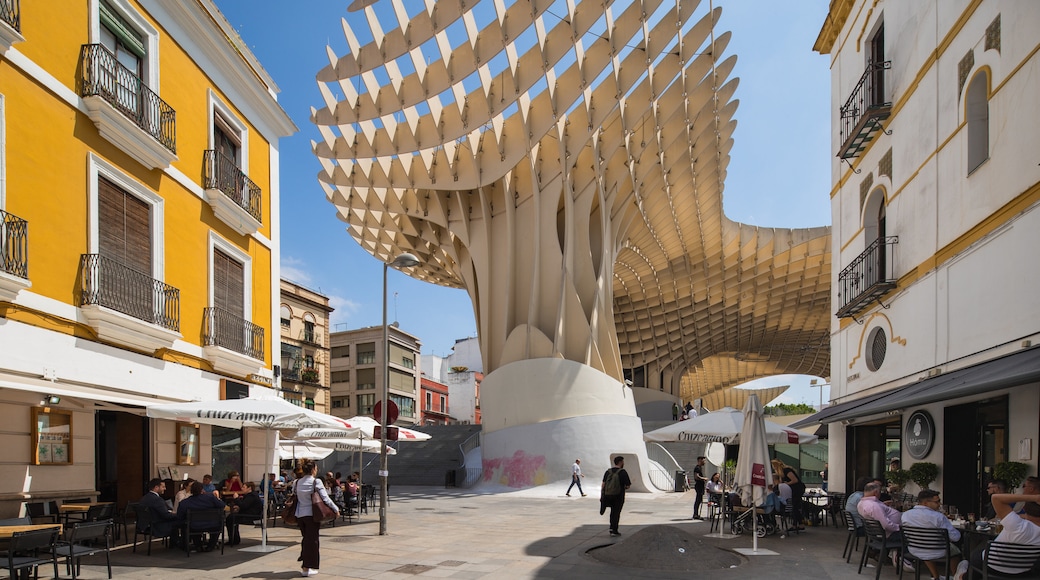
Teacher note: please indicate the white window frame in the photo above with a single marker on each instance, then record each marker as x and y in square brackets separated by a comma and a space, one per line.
[218, 107]
[98, 167]
[3, 155]
[235, 253]
[149, 32]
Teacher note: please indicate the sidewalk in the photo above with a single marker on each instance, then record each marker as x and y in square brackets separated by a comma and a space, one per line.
[450, 533]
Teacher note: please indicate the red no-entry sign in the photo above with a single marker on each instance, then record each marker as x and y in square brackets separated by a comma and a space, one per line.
[392, 412]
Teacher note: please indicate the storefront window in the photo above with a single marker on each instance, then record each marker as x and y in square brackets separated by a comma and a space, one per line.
[227, 452]
[52, 436]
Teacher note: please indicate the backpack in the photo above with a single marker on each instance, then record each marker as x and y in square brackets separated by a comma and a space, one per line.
[613, 483]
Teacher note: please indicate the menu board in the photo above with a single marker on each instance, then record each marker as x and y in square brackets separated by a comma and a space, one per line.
[52, 437]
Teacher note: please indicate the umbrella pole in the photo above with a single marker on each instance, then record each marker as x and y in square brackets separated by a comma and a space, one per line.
[263, 547]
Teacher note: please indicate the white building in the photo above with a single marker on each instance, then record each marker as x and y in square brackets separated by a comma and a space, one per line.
[462, 371]
[936, 214]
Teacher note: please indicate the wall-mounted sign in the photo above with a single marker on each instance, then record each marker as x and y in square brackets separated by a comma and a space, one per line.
[919, 434]
[233, 390]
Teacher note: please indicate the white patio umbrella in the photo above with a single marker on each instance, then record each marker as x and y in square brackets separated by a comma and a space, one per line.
[301, 450]
[750, 479]
[724, 426]
[368, 425]
[268, 413]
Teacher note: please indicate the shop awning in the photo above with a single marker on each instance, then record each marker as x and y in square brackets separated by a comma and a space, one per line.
[1019, 368]
[85, 393]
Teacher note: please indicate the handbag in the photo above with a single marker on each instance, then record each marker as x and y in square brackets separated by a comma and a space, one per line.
[289, 510]
[320, 511]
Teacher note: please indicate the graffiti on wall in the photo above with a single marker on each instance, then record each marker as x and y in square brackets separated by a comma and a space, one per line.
[520, 470]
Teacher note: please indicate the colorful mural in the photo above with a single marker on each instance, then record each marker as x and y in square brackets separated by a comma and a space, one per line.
[520, 470]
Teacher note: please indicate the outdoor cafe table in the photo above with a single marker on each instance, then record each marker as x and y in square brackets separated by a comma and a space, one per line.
[7, 531]
[68, 509]
[972, 538]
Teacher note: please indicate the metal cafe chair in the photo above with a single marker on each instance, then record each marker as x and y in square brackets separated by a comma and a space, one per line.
[930, 539]
[852, 540]
[86, 539]
[1006, 555]
[200, 522]
[877, 539]
[31, 550]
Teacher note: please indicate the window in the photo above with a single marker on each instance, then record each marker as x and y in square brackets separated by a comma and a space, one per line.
[340, 402]
[365, 404]
[308, 404]
[977, 114]
[877, 346]
[341, 351]
[405, 404]
[231, 269]
[402, 356]
[402, 381]
[429, 400]
[366, 353]
[340, 376]
[51, 436]
[366, 379]
[308, 328]
[876, 54]
[128, 46]
[285, 316]
[228, 135]
[292, 361]
[443, 410]
[124, 228]
[308, 361]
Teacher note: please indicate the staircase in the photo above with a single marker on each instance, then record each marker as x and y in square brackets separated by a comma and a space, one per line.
[416, 462]
[684, 453]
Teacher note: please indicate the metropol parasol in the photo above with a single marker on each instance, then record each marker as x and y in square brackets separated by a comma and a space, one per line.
[564, 163]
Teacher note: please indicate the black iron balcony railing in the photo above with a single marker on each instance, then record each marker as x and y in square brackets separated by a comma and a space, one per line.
[11, 13]
[224, 329]
[105, 77]
[864, 110]
[868, 277]
[110, 283]
[14, 245]
[221, 172]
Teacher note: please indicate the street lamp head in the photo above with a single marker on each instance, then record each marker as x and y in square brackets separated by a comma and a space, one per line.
[405, 260]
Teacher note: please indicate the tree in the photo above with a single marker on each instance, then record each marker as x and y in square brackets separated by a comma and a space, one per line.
[781, 409]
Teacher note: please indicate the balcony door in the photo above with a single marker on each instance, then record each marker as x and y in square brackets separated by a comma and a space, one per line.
[128, 47]
[124, 275]
[877, 56]
[229, 300]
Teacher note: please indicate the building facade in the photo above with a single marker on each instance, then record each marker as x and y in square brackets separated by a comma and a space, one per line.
[936, 213]
[139, 241]
[358, 365]
[433, 403]
[304, 368]
[462, 372]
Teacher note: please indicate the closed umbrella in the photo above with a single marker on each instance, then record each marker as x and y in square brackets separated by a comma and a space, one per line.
[267, 413]
[750, 478]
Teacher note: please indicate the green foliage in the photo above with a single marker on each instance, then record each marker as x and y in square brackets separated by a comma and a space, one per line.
[898, 477]
[924, 473]
[1013, 472]
[781, 409]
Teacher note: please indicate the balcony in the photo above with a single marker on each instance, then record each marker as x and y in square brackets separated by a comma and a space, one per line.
[867, 278]
[127, 112]
[10, 24]
[126, 306]
[864, 110]
[234, 197]
[14, 255]
[231, 344]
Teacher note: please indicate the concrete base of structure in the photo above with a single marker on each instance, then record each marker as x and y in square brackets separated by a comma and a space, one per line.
[539, 415]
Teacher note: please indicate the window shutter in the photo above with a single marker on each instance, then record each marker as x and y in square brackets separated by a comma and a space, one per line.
[124, 227]
[115, 23]
[228, 284]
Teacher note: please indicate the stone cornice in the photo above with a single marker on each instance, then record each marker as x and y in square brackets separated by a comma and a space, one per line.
[836, 17]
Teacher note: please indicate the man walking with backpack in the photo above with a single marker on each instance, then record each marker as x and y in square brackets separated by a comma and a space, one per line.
[612, 492]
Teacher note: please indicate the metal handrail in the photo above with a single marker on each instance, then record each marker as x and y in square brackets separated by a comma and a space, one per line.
[864, 98]
[663, 478]
[471, 475]
[105, 77]
[114, 285]
[221, 172]
[11, 13]
[224, 329]
[868, 269]
[14, 245]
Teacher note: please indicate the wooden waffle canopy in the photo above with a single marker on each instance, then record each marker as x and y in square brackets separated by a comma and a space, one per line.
[564, 163]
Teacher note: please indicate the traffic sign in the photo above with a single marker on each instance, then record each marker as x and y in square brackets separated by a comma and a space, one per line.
[392, 412]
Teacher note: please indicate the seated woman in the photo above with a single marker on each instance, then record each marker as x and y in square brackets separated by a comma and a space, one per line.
[352, 491]
[232, 484]
[334, 489]
[183, 492]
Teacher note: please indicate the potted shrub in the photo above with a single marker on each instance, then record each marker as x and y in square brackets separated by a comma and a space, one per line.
[1013, 472]
[309, 375]
[898, 477]
[924, 473]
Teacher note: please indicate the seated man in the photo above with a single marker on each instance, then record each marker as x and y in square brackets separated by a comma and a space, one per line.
[1024, 529]
[164, 522]
[207, 484]
[247, 508]
[926, 514]
[872, 507]
[200, 500]
[995, 486]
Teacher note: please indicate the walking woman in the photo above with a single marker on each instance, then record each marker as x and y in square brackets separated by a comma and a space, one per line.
[307, 484]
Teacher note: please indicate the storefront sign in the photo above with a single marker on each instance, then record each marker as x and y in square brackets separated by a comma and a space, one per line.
[919, 434]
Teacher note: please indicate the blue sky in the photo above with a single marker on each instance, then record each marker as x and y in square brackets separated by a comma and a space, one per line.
[779, 173]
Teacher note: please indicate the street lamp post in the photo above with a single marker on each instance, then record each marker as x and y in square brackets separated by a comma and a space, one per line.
[812, 383]
[401, 261]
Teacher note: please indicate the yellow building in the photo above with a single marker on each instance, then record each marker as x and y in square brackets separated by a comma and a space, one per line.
[139, 244]
[303, 372]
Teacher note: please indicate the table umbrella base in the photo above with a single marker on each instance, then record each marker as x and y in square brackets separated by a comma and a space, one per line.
[721, 536]
[262, 548]
[753, 552]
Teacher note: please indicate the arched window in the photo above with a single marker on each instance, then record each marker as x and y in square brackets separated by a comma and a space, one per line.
[978, 121]
[286, 315]
[308, 327]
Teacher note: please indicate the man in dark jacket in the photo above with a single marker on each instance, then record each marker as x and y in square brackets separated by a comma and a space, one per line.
[201, 501]
[612, 492]
[246, 509]
[164, 522]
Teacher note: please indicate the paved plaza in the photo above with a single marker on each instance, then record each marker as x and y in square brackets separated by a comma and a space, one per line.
[452, 533]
